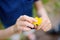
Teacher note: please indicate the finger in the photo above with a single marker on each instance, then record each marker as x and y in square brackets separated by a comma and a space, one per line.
[44, 23]
[44, 27]
[25, 23]
[31, 18]
[41, 25]
[47, 26]
[24, 28]
[27, 18]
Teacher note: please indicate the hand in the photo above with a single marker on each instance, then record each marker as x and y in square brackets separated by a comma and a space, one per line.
[24, 23]
[46, 24]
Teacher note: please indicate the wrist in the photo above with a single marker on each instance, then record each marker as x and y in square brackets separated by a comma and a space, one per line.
[13, 29]
[16, 29]
[9, 31]
[42, 12]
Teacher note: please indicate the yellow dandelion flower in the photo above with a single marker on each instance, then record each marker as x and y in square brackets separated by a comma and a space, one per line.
[39, 21]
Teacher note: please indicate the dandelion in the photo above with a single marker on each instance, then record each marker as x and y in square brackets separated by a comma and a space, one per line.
[39, 21]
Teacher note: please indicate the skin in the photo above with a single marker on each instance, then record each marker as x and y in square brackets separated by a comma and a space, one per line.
[21, 25]
[46, 23]
[24, 21]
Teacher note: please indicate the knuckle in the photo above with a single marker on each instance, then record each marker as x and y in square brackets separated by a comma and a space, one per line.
[25, 16]
[21, 16]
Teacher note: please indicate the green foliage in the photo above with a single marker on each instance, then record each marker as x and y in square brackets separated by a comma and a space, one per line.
[45, 1]
[57, 4]
[34, 12]
[1, 25]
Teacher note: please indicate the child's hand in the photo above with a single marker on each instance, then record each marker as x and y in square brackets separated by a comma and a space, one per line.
[46, 24]
[25, 23]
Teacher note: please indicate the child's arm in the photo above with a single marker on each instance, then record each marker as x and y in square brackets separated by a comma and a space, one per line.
[23, 23]
[46, 24]
[6, 33]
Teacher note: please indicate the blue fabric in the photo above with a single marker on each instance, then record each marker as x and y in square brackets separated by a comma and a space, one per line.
[10, 10]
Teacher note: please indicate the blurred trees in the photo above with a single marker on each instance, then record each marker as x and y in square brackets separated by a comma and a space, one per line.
[52, 6]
